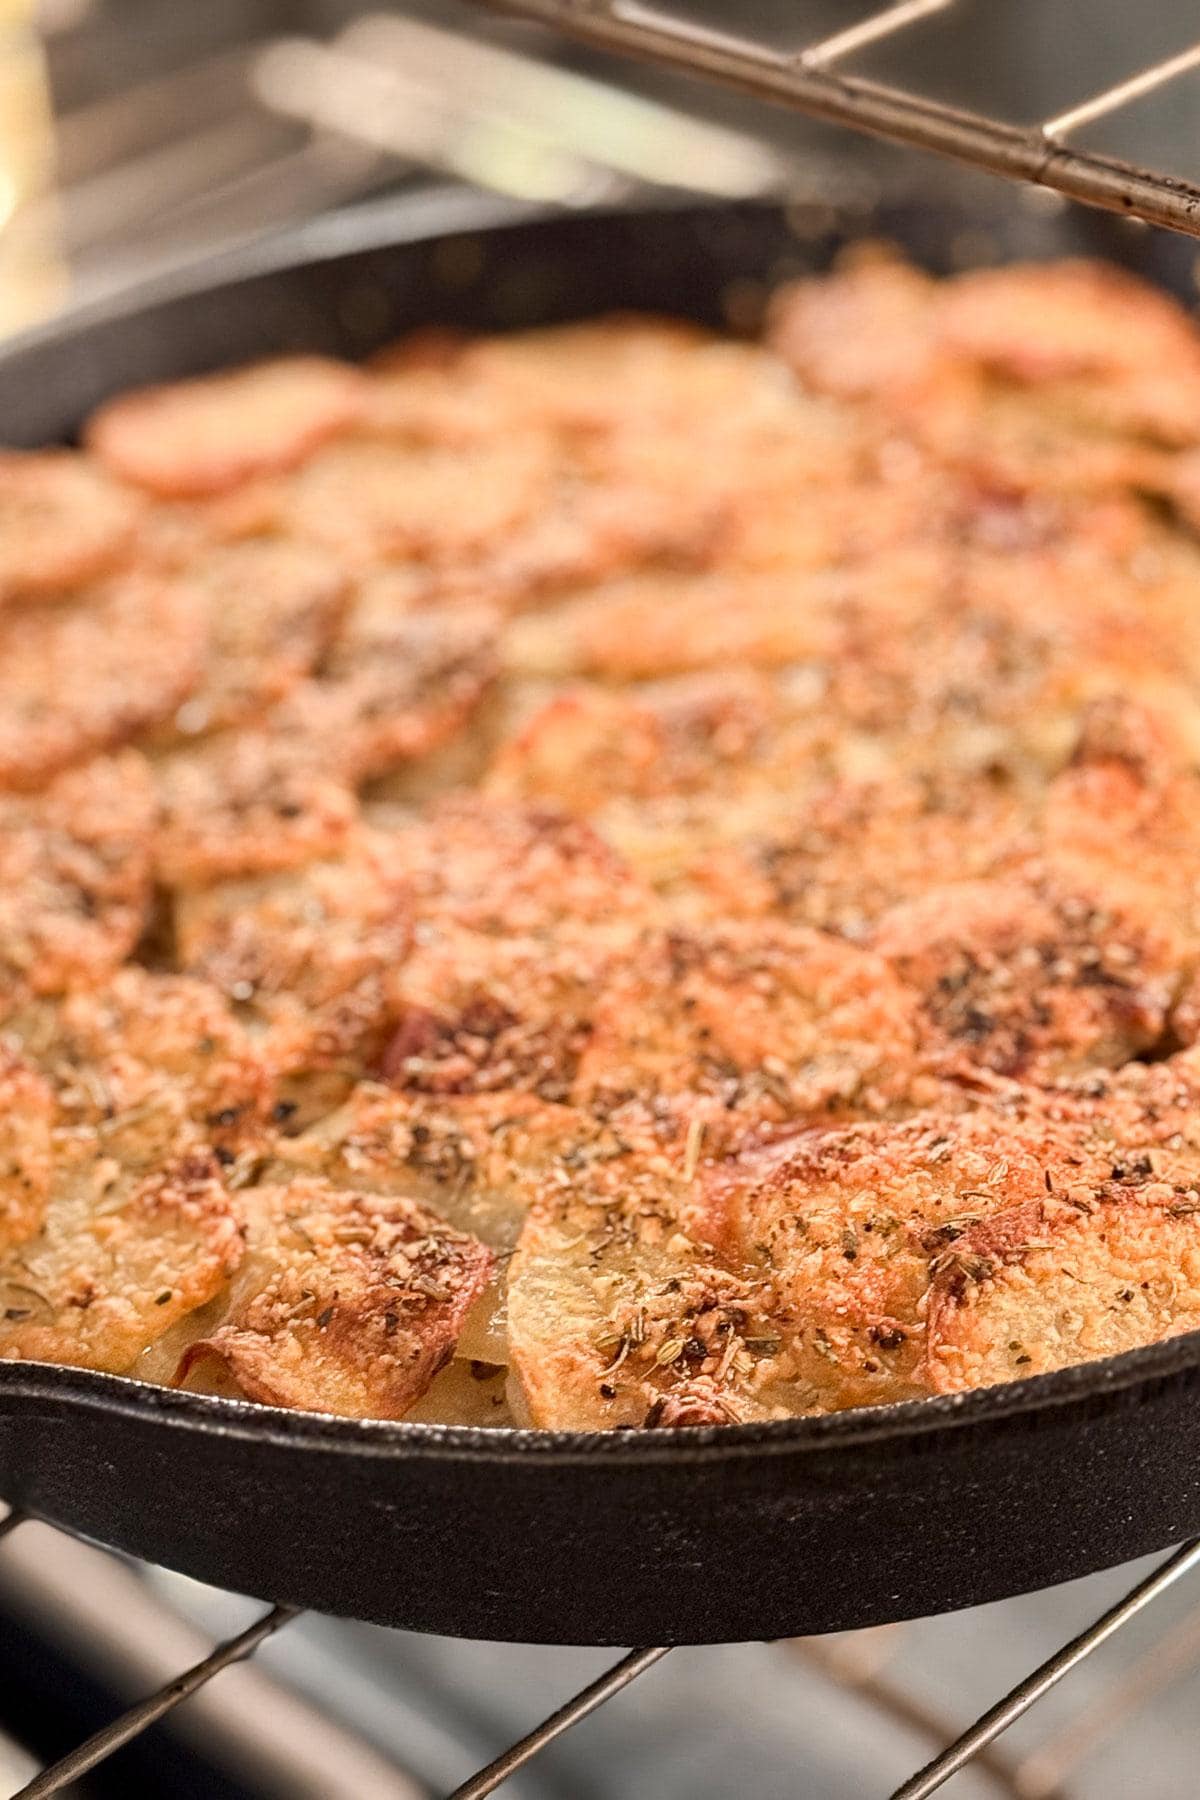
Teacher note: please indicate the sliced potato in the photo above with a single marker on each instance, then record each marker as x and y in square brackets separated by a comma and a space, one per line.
[91, 674]
[468, 1158]
[847, 1232]
[115, 1267]
[773, 1024]
[868, 330]
[1045, 1285]
[308, 958]
[74, 875]
[192, 438]
[394, 686]
[665, 623]
[516, 871]
[1034, 982]
[63, 522]
[27, 1119]
[373, 500]
[248, 804]
[273, 609]
[618, 1312]
[1119, 350]
[143, 1064]
[345, 1302]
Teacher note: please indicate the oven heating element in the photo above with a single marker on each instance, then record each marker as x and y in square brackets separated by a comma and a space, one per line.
[809, 78]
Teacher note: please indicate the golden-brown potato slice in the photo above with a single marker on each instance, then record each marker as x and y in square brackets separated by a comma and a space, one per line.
[247, 804]
[394, 686]
[1032, 981]
[667, 623]
[515, 871]
[113, 1268]
[378, 500]
[589, 377]
[192, 438]
[1125, 353]
[724, 734]
[345, 1302]
[74, 876]
[1048, 1284]
[848, 1232]
[307, 957]
[517, 915]
[273, 608]
[469, 1159]
[472, 1160]
[479, 1014]
[143, 1064]
[62, 523]
[1130, 802]
[774, 1024]
[861, 845]
[618, 1312]
[90, 675]
[590, 527]
[27, 1118]
[866, 330]
[421, 393]
[1031, 377]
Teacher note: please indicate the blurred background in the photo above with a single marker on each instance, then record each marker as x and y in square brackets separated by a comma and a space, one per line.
[137, 136]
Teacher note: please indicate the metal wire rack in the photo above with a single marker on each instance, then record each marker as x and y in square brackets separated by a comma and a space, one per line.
[857, 1663]
[811, 78]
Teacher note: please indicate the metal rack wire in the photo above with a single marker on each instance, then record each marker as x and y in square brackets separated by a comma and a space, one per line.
[1036, 1778]
[810, 78]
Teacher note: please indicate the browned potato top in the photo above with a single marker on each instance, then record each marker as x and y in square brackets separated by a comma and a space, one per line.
[609, 875]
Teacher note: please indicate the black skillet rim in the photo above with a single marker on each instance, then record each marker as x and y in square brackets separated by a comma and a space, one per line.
[445, 212]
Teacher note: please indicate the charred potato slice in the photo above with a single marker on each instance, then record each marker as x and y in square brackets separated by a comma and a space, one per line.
[344, 1302]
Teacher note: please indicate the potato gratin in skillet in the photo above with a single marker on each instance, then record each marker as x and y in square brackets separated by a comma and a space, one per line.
[610, 876]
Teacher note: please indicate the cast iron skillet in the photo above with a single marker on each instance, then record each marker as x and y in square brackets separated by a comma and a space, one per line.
[627, 1538]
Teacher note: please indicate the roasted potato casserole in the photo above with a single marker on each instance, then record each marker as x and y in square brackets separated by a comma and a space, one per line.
[611, 875]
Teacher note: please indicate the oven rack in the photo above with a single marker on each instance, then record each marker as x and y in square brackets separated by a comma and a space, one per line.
[810, 78]
[1038, 1777]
